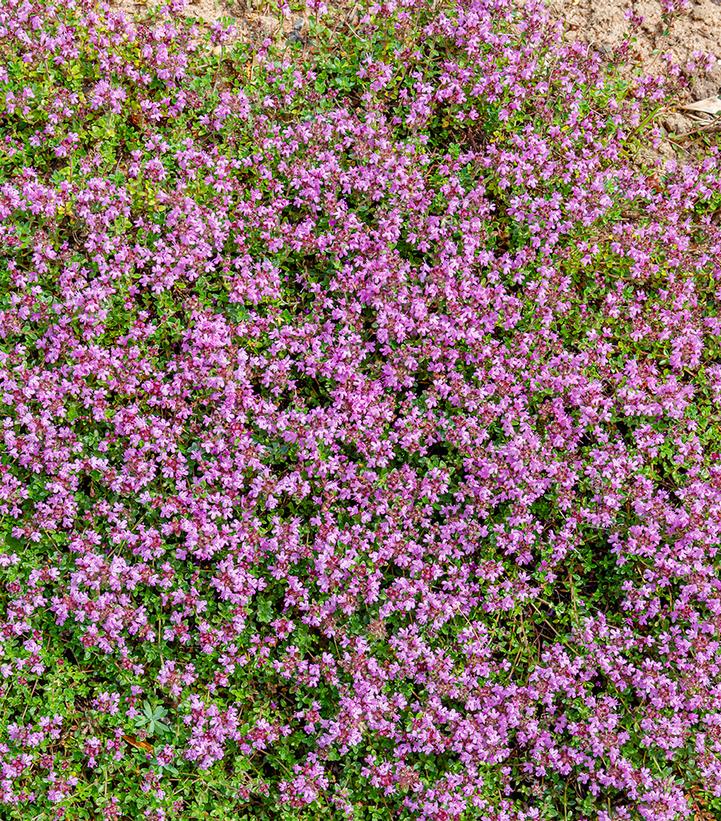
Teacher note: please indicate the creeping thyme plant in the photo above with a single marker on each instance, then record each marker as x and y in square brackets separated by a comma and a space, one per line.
[360, 423]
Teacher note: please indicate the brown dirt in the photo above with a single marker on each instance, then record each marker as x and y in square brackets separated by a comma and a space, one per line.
[690, 39]
[605, 25]
[252, 18]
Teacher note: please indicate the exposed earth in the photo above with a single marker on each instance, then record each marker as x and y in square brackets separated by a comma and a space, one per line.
[658, 43]
[654, 38]
[252, 18]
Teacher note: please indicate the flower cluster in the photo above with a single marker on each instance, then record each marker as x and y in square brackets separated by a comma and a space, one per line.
[359, 424]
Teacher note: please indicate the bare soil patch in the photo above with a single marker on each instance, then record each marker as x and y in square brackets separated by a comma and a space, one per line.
[649, 40]
[654, 37]
[252, 18]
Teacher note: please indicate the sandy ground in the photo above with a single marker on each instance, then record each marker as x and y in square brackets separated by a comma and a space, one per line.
[605, 25]
[690, 39]
[252, 18]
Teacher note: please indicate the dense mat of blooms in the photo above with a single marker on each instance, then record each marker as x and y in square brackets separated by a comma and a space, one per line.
[360, 425]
